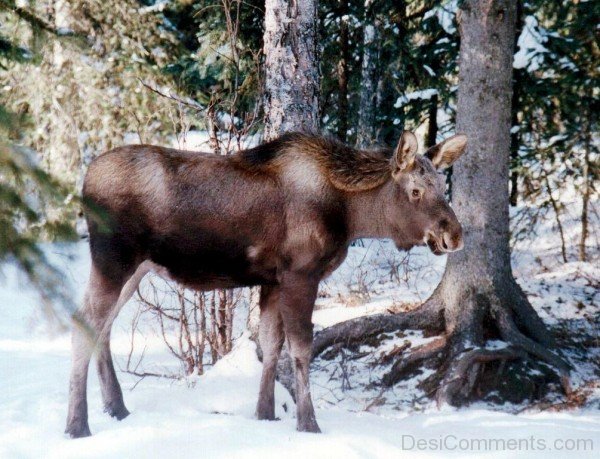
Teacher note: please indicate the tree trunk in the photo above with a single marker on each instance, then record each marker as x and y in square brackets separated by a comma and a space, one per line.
[478, 291]
[291, 93]
[482, 270]
[342, 71]
[432, 127]
[368, 88]
[291, 67]
[586, 193]
[556, 208]
[478, 298]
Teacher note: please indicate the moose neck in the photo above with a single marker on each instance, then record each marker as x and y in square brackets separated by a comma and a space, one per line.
[366, 213]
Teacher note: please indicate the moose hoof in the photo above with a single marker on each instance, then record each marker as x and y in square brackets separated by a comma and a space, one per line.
[309, 425]
[266, 415]
[78, 430]
[118, 412]
[267, 418]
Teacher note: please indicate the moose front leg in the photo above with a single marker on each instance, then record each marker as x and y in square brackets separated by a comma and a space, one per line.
[297, 299]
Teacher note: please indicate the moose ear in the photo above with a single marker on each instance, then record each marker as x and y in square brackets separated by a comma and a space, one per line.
[405, 152]
[445, 153]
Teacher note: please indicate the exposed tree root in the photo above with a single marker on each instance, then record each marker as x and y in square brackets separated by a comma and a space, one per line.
[419, 354]
[467, 351]
[525, 316]
[460, 350]
[427, 317]
[461, 375]
[511, 334]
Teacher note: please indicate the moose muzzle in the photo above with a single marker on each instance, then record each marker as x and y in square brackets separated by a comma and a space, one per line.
[446, 242]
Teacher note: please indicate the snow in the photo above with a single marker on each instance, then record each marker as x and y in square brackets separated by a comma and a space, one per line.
[199, 140]
[445, 14]
[156, 7]
[212, 415]
[422, 94]
[369, 34]
[429, 70]
[530, 49]
[193, 140]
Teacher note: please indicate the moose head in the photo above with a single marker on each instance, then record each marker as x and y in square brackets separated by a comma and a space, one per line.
[418, 211]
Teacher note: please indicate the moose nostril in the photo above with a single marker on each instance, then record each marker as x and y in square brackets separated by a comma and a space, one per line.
[445, 238]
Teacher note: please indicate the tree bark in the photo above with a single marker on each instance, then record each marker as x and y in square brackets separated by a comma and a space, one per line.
[556, 208]
[342, 71]
[369, 79]
[586, 193]
[432, 127]
[291, 67]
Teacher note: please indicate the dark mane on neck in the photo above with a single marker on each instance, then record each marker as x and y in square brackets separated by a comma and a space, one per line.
[348, 169]
[264, 154]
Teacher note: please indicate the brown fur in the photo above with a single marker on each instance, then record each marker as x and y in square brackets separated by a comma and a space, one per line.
[346, 168]
[280, 215]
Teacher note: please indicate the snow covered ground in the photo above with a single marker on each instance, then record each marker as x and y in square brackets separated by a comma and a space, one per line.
[212, 415]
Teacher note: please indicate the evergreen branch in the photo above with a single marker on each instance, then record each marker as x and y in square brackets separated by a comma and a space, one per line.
[12, 51]
[36, 21]
[187, 102]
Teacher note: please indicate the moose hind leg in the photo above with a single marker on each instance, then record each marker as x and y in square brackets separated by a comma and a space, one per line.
[112, 395]
[91, 331]
[77, 422]
[271, 341]
[100, 298]
[296, 305]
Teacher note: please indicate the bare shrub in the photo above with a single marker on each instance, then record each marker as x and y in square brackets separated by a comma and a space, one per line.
[196, 327]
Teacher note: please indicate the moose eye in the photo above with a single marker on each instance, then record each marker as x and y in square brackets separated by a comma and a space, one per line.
[416, 193]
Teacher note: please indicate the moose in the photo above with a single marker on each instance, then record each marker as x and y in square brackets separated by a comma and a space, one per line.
[280, 216]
